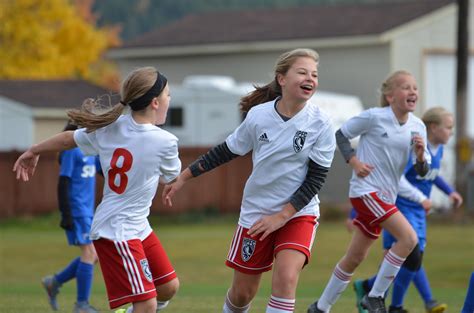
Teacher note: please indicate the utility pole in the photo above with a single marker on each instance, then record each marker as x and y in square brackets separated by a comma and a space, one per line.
[463, 153]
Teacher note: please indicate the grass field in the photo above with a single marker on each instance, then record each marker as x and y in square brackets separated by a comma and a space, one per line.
[30, 249]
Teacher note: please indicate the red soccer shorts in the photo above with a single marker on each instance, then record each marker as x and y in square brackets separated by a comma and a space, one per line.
[252, 256]
[131, 269]
[371, 211]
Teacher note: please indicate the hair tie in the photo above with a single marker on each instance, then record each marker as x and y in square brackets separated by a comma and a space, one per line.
[123, 102]
[155, 90]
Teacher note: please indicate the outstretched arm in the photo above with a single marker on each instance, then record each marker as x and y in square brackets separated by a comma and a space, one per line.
[25, 165]
[215, 157]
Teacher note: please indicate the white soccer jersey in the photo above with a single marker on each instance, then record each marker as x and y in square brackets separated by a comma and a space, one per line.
[280, 155]
[386, 145]
[134, 157]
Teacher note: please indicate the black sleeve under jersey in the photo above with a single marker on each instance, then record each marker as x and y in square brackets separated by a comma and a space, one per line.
[63, 195]
[218, 155]
[421, 168]
[344, 146]
[312, 184]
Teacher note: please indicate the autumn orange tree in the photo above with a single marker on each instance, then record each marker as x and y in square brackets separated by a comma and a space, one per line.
[54, 39]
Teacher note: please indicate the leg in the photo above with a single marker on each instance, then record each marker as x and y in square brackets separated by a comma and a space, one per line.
[355, 254]
[243, 290]
[165, 292]
[287, 268]
[469, 302]
[85, 273]
[52, 283]
[146, 306]
[399, 227]
[404, 277]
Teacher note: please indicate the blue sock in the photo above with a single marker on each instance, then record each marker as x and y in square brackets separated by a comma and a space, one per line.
[84, 276]
[423, 285]
[469, 302]
[400, 286]
[370, 281]
[68, 273]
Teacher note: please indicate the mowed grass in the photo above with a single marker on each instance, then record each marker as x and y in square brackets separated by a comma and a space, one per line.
[31, 249]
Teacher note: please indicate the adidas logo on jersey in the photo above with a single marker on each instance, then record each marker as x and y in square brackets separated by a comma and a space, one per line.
[385, 135]
[263, 137]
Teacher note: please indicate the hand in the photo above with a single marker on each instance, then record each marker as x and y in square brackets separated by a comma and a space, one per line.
[419, 148]
[67, 222]
[269, 223]
[456, 198]
[361, 169]
[25, 165]
[169, 191]
[426, 204]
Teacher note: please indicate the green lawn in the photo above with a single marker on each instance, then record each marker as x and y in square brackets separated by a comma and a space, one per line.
[34, 248]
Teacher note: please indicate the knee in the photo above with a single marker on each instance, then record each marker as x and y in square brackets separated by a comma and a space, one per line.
[167, 291]
[414, 259]
[242, 296]
[147, 306]
[409, 240]
[89, 255]
[284, 282]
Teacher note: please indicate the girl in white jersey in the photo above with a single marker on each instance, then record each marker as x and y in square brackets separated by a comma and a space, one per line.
[389, 137]
[135, 155]
[292, 145]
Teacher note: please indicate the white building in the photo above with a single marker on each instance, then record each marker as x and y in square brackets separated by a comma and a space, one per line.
[16, 125]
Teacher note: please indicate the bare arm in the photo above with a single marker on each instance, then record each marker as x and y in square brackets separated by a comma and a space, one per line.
[25, 165]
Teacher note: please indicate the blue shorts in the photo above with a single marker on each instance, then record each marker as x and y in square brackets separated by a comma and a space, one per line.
[80, 235]
[417, 219]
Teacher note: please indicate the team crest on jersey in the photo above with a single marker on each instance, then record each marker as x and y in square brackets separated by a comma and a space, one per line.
[383, 196]
[412, 139]
[298, 140]
[146, 270]
[248, 247]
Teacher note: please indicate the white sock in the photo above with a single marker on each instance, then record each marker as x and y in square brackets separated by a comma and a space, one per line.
[387, 272]
[160, 305]
[229, 307]
[130, 309]
[280, 305]
[336, 285]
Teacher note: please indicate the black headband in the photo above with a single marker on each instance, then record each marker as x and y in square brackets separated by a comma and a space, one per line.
[143, 101]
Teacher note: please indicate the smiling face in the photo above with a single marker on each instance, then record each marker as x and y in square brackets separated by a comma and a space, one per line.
[403, 94]
[299, 83]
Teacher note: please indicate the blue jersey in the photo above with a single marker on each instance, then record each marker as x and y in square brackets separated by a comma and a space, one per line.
[81, 170]
[413, 211]
[424, 184]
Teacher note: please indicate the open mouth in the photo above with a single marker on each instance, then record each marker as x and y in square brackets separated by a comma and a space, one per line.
[307, 87]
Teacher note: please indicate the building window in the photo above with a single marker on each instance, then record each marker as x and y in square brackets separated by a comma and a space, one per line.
[174, 117]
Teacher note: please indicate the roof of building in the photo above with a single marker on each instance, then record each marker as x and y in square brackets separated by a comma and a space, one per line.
[52, 93]
[310, 22]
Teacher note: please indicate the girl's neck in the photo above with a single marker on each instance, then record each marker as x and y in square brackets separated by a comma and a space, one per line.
[289, 108]
[402, 117]
[141, 117]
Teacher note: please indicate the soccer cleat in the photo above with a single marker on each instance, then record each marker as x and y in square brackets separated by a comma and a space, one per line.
[435, 307]
[398, 309]
[84, 307]
[313, 308]
[51, 286]
[360, 293]
[373, 304]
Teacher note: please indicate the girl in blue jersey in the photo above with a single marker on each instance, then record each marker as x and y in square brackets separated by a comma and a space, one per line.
[439, 124]
[76, 197]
